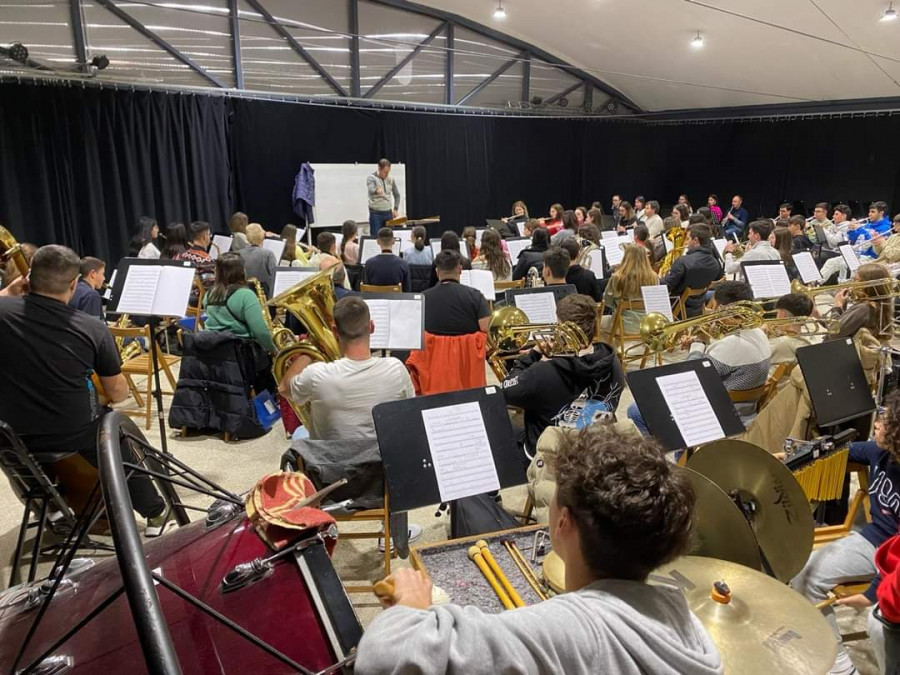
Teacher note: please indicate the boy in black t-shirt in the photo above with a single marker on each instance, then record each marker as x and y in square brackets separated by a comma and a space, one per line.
[386, 269]
[450, 307]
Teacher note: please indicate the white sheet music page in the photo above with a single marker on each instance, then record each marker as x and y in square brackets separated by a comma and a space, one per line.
[516, 246]
[850, 257]
[221, 244]
[173, 291]
[521, 228]
[768, 281]
[656, 299]
[398, 323]
[483, 280]
[370, 247]
[807, 268]
[139, 290]
[380, 314]
[693, 414]
[614, 252]
[460, 451]
[539, 307]
[405, 237]
[609, 234]
[720, 247]
[478, 234]
[286, 279]
[595, 263]
[668, 244]
[276, 246]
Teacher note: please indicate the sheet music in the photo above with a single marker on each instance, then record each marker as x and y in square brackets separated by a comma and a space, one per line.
[609, 234]
[656, 299]
[276, 246]
[807, 268]
[463, 248]
[850, 257]
[668, 243]
[173, 291]
[338, 238]
[693, 414]
[516, 246]
[288, 278]
[369, 248]
[595, 263]
[768, 281]
[614, 252]
[398, 323]
[720, 247]
[220, 244]
[483, 280]
[539, 307]
[404, 236]
[460, 451]
[521, 228]
[478, 234]
[139, 290]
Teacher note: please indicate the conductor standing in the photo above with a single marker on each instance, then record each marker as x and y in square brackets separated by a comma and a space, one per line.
[382, 189]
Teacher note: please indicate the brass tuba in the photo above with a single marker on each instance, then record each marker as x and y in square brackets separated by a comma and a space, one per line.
[11, 250]
[660, 334]
[510, 332]
[312, 303]
[676, 235]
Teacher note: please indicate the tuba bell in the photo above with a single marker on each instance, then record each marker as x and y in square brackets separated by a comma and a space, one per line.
[10, 249]
[677, 237]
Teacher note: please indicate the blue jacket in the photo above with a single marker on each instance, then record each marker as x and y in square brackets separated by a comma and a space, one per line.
[741, 219]
[304, 194]
[87, 300]
[864, 233]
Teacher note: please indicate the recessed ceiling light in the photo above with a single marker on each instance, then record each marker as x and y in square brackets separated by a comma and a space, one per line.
[499, 13]
[889, 14]
[697, 42]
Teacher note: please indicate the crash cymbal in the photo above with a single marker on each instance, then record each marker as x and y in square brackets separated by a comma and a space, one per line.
[758, 624]
[772, 500]
[553, 570]
[720, 530]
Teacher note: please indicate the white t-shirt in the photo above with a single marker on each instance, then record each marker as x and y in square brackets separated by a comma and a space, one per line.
[149, 251]
[342, 394]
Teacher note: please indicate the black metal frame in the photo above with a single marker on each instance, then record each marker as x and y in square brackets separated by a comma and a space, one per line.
[481, 86]
[392, 73]
[235, 21]
[78, 34]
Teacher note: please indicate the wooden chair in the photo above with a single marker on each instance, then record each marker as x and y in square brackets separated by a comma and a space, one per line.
[370, 288]
[197, 312]
[679, 309]
[382, 516]
[502, 286]
[143, 365]
[782, 370]
[618, 337]
[748, 395]
[829, 533]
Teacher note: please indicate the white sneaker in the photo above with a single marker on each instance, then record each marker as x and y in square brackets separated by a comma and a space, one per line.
[414, 532]
[843, 665]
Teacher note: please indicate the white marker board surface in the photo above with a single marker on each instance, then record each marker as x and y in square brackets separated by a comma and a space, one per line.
[341, 192]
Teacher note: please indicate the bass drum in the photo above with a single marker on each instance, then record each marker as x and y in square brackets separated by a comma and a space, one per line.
[298, 608]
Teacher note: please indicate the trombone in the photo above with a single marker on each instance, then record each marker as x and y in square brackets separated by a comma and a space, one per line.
[886, 289]
[661, 335]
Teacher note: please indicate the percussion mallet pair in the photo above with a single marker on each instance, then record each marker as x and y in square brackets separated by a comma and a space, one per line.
[481, 555]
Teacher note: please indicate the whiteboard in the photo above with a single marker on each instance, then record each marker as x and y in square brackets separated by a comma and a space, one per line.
[341, 191]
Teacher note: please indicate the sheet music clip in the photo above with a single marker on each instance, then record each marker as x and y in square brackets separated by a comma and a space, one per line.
[836, 382]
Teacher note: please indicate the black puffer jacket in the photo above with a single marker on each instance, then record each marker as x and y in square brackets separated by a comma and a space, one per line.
[217, 373]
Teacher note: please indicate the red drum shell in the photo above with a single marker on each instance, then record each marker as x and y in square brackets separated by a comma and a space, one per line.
[278, 610]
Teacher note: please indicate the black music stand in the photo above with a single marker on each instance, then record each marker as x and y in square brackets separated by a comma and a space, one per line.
[655, 411]
[836, 382]
[410, 342]
[406, 455]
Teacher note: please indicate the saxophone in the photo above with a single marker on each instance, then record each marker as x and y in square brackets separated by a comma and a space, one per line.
[133, 348]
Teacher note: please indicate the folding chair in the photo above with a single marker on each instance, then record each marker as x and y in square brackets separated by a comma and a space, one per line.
[679, 309]
[618, 337]
[829, 533]
[502, 286]
[143, 365]
[748, 395]
[197, 311]
[369, 288]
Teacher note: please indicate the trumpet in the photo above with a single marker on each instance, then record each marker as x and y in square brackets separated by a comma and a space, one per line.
[510, 331]
[660, 335]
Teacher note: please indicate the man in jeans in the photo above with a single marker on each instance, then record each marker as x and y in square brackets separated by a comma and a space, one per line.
[381, 188]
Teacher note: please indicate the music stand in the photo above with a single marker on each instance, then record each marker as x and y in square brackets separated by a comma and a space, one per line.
[656, 412]
[409, 467]
[835, 381]
[559, 292]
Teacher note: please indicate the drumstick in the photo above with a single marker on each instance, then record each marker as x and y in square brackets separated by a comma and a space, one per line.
[495, 568]
[475, 555]
[524, 568]
[830, 600]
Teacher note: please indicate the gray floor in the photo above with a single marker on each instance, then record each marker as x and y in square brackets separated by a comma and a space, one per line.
[237, 466]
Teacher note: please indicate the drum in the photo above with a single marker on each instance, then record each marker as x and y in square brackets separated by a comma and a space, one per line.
[299, 608]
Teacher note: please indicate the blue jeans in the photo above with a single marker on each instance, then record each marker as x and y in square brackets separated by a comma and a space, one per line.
[731, 229]
[635, 416]
[377, 220]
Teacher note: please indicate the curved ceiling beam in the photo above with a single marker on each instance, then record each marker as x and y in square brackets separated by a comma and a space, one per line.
[511, 41]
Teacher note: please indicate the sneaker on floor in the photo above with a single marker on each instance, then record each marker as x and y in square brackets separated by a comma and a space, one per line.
[414, 532]
[157, 524]
[843, 665]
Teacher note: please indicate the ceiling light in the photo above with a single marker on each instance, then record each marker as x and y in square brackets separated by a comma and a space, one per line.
[499, 13]
[889, 14]
[697, 42]
[18, 52]
[100, 62]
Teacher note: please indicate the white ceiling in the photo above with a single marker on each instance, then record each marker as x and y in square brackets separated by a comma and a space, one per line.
[642, 47]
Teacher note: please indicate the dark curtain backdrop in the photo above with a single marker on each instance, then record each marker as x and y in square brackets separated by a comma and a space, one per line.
[80, 166]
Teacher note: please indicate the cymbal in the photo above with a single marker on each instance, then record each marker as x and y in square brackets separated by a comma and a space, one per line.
[776, 507]
[720, 530]
[761, 626]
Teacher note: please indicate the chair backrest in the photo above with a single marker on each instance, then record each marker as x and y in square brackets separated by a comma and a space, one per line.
[679, 311]
[370, 288]
[419, 278]
[131, 332]
[747, 395]
[504, 285]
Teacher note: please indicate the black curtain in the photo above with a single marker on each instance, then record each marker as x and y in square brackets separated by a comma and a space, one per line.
[80, 166]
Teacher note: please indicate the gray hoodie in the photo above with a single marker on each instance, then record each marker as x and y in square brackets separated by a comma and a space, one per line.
[611, 626]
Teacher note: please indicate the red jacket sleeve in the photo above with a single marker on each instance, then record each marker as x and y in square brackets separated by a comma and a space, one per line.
[887, 559]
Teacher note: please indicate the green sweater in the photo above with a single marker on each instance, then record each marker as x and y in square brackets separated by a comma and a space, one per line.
[242, 316]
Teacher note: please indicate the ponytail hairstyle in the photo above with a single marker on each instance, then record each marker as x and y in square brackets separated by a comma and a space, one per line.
[289, 234]
[418, 237]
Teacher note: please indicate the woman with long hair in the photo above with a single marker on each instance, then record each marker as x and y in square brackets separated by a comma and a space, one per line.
[569, 228]
[237, 225]
[875, 308]
[625, 284]
[581, 213]
[713, 203]
[293, 254]
[350, 242]
[684, 201]
[230, 305]
[554, 223]
[176, 242]
[683, 213]
[626, 217]
[143, 243]
[781, 241]
[420, 252]
[468, 234]
[492, 257]
[534, 254]
[519, 211]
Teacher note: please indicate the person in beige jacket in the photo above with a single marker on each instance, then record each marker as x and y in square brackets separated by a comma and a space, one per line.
[888, 250]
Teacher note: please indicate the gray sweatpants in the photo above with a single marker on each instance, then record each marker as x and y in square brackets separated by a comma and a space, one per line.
[849, 559]
[885, 643]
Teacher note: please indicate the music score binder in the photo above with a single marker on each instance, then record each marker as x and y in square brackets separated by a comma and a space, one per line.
[369, 247]
[767, 278]
[656, 412]
[399, 320]
[145, 287]
[409, 465]
[288, 277]
[836, 381]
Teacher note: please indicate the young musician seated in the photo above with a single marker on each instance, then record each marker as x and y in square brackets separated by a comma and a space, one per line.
[231, 306]
[493, 257]
[625, 284]
[820, 218]
[735, 221]
[888, 247]
[555, 222]
[610, 620]
[759, 247]
[450, 307]
[556, 265]
[342, 393]
[584, 280]
[697, 268]
[327, 256]
[198, 255]
[259, 262]
[741, 358]
[450, 242]
[86, 296]
[853, 557]
[834, 233]
[784, 347]
[544, 386]
[878, 223]
[418, 252]
[50, 352]
[387, 269]
[533, 256]
[799, 241]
